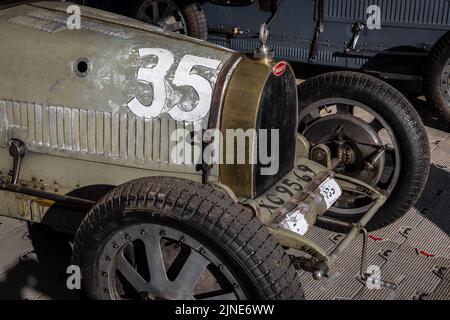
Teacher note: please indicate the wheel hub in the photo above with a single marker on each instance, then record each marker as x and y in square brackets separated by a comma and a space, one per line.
[354, 147]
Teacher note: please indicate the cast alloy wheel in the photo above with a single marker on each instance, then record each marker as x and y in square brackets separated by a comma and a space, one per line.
[437, 77]
[377, 135]
[156, 262]
[368, 146]
[163, 13]
[445, 82]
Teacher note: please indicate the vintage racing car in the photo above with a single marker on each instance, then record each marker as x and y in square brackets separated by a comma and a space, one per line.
[120, 121]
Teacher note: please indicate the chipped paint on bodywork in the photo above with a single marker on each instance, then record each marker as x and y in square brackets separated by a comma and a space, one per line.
[82, 119]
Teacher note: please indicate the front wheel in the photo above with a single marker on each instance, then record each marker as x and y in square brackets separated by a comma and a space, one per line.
[378, 135]
[172, 239]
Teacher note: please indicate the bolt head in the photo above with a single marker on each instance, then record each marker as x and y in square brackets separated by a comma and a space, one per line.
[318, 275]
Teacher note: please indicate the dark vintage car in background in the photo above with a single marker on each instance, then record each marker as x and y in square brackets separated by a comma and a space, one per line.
[393, 39]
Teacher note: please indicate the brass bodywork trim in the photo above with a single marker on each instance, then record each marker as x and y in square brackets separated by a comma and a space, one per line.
[220, 90]
[240, 110]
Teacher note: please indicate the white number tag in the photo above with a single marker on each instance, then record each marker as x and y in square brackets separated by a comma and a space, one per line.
[331, 191]
[295, 222]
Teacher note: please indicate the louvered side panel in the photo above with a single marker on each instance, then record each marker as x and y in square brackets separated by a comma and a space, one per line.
[120, 138]
[435, 12]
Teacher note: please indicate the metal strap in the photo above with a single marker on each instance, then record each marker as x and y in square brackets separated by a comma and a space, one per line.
[319, 30]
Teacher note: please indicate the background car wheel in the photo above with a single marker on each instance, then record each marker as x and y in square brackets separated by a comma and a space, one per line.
[437, 78]
[185, 18]
[165, 238]
[383, 139]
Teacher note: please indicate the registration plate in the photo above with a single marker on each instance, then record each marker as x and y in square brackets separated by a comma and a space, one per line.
[298, 180]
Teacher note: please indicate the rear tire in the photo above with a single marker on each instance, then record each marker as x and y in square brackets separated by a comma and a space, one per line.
[437, 78]
[196, 21]
[398, 113]
[251, 262]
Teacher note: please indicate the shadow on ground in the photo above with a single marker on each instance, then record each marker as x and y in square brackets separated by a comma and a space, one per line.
[40, 273]
[435, 199]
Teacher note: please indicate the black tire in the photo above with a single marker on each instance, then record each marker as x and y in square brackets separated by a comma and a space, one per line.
[407, 127]
[199, 211]
[196, 21]
[190, 15]
[437, 77]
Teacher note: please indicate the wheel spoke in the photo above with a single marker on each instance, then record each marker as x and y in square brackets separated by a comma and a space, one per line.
[147, 18]
[308, 119]
[155, 10]
[175, 26]
[376, 125]
[344, 108]
[131, 274]
[155, 260]
[167, 11]
[191, 272]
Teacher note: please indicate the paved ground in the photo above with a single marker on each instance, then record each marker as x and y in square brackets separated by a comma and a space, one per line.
[413, 253]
